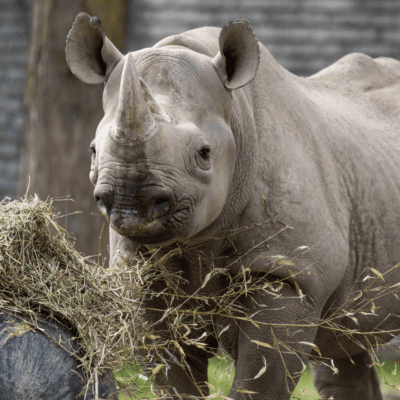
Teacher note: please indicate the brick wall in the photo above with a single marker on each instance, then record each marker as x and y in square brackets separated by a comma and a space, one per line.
[303, 35]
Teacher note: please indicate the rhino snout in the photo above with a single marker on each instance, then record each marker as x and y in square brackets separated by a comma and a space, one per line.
[147, 203]
[104, 196]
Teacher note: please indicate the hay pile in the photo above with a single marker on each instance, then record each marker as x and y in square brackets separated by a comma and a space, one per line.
[43, 276]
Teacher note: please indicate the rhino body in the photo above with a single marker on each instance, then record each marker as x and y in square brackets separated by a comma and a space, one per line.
[205, 133]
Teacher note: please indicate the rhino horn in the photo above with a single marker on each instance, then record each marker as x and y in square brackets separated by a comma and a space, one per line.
[134, 119]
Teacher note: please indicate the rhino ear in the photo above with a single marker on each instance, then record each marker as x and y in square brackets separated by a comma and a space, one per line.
[239, 56]
[90, 54]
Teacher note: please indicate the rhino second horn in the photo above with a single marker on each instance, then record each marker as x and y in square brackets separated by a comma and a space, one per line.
[155, 108]
[134, 119]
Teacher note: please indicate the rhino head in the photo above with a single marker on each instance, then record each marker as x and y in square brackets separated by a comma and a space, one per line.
[164, 154]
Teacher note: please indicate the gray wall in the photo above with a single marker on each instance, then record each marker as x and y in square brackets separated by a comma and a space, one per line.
[303, 35]
[14, 33]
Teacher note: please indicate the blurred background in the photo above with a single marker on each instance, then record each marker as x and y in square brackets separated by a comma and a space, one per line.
[48, 117]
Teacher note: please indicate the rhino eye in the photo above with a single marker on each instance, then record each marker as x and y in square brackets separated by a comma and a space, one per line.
[205, 153]
[93, 149]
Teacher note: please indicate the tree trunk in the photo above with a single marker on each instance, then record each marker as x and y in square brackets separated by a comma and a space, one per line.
[62, 116]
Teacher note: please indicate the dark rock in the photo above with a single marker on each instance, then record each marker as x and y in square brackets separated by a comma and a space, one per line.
[33, 367]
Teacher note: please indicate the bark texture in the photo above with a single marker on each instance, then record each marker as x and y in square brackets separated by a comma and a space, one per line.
[62, 115]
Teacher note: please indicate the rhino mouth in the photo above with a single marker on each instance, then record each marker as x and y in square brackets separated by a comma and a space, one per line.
[153, 215]
[166, 226]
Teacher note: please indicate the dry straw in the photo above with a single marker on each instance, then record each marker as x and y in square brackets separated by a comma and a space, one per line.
[41, 275]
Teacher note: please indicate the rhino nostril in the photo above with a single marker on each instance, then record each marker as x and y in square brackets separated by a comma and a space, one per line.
[161, 201]
[104, 198]
[161, 204]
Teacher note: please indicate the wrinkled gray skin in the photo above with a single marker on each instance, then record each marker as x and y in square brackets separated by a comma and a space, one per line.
[187, 152]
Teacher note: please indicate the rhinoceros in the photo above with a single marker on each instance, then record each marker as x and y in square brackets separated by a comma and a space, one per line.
[205, 133]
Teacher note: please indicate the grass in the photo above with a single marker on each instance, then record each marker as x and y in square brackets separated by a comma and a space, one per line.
[220, 374]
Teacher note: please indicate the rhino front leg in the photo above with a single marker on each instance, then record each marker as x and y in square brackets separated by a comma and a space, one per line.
[186, 375]
[265, 343]
[358, 381]
[183, 380]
